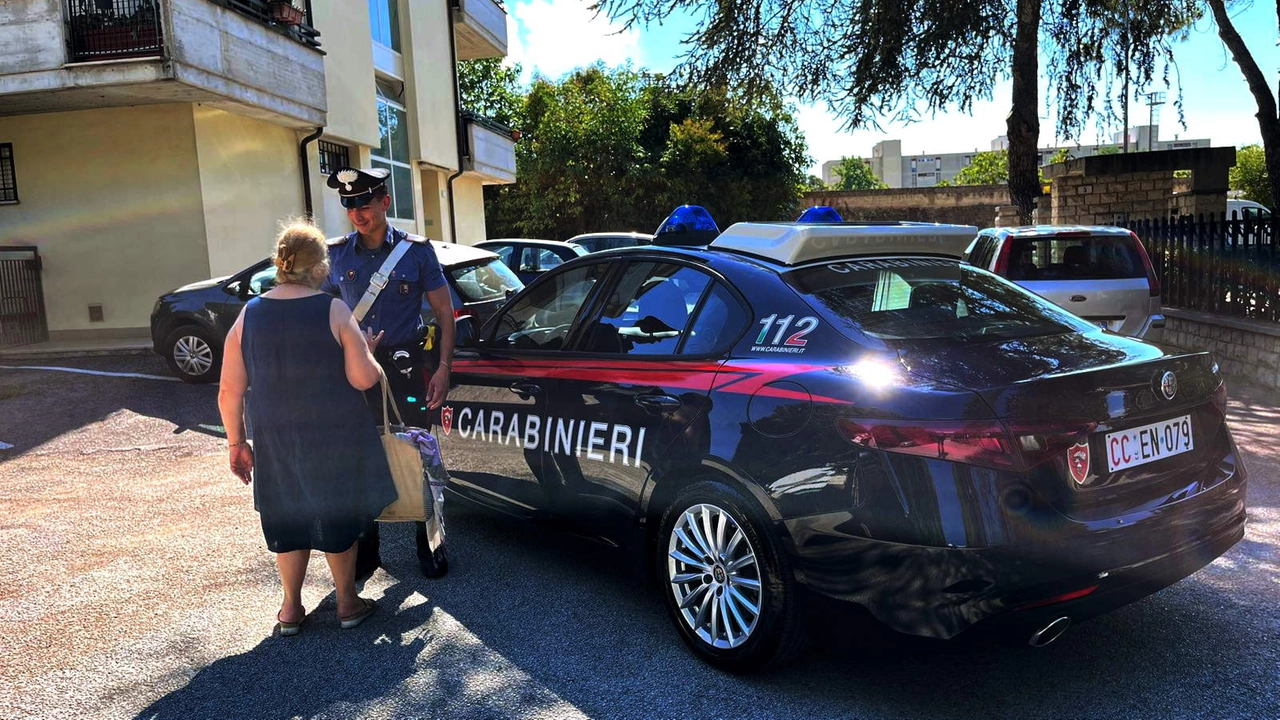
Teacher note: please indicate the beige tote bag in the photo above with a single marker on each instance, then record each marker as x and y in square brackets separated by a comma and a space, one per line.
[406, 467]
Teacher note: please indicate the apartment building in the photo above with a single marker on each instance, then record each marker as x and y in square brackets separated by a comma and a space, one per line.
[927, 169]
[145, 144]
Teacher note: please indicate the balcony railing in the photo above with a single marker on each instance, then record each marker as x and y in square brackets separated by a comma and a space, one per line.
[291, 19]
[113, 29]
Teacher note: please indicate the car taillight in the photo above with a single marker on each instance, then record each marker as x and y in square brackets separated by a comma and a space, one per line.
[1016, 445]
[1153, 281]
[1002, 260]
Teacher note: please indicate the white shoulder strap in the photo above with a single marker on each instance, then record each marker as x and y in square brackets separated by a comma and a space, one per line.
[379, 279]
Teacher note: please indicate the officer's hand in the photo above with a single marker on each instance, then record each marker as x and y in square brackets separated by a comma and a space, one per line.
[438, 388]
[372, 340]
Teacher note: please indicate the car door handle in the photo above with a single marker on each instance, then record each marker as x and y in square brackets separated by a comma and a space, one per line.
[1078, 298]
[657, 403]
[524, 388]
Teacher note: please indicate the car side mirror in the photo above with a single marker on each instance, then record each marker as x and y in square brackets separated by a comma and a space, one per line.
[464, 333]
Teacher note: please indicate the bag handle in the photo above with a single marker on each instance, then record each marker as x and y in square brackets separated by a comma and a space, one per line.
[387, 400]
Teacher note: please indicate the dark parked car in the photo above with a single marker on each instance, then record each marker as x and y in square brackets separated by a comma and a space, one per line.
[530, 258]
[189, 324]
[595, 242]
[852, 410]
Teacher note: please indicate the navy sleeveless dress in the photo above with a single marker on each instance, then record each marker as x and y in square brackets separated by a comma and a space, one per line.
[320, 474]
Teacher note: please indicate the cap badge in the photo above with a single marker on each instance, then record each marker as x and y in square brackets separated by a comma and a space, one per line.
[346, 177]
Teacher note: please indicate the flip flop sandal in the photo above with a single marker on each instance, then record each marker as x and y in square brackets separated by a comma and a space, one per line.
[288, 629]
[354, 619]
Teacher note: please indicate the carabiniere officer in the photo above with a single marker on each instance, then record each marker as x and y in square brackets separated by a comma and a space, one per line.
[393, 323]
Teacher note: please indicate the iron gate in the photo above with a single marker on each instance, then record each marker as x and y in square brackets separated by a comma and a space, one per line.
[22, 318]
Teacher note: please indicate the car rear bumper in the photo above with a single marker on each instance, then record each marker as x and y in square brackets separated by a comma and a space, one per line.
[943, 591]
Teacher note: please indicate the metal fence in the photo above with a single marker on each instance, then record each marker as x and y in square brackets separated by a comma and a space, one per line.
[1216, 265]
[113, 29]
[22, 316]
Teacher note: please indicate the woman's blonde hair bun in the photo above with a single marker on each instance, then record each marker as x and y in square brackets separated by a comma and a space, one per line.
[300, 247]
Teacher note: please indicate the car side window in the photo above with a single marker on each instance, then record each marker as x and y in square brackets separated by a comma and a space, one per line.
[263, 280]
[983, 253]
[542, 318]
[648, 311]
[506, 253]
[544, 259]
[719, 322]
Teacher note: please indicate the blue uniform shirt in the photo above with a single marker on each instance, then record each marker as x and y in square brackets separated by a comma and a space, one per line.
[398, 309]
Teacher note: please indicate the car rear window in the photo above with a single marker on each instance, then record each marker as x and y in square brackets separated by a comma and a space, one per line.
[489, 280]
[1074, 257]
[911, 299]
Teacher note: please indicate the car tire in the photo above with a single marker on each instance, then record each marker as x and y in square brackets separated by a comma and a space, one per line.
[193, 354]
[711, 596]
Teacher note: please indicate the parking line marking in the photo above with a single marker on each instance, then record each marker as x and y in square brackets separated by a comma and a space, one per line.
[102, 373]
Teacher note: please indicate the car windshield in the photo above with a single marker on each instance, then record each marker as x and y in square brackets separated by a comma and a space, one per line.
[490, 280]
[911, 299]
[1074, 257]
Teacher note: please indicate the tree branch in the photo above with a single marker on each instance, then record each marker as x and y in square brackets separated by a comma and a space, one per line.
[1258, 84]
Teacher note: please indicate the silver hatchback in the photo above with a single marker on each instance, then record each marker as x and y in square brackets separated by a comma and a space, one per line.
[1102, 274]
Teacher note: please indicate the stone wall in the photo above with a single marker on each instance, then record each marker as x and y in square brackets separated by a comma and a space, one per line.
[1245, 349]
[967, 205]
[1111, 199]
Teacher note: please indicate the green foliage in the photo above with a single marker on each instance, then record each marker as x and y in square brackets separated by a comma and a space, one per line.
[1108, 150]
[856, 174]
[488, 88]
[812, 183]
[987, 168]
[1249, 175]
[1063, 155]
[617, 149]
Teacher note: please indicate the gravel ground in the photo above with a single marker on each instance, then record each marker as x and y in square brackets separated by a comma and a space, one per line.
[134, 584]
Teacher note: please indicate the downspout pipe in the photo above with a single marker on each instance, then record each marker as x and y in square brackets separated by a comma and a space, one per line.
[455, 6]
[306, 171]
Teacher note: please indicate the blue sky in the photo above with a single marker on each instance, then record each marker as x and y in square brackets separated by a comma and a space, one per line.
[554, 37]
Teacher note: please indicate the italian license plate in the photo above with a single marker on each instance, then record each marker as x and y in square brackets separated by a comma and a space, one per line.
[1141, 445]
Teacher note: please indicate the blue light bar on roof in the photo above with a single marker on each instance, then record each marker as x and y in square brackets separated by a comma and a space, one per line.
[820, 214]
[687, 225]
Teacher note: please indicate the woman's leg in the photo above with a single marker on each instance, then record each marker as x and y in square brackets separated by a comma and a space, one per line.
[293, 570]
[343, 567]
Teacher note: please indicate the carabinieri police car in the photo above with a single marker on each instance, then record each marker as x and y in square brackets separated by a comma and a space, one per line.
[847, 409]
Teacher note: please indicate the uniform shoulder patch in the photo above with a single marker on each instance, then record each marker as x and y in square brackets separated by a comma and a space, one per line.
[415, 238]
[337, 240]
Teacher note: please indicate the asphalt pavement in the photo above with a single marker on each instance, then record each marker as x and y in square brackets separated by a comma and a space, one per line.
[134, 583]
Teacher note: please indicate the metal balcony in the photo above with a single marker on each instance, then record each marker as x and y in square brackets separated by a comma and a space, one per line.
[113, 30]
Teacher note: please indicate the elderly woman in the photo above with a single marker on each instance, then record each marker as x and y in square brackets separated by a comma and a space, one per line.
[322, 477]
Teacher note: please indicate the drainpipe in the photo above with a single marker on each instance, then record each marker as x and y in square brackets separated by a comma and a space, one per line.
[306, 170]
[455, 6]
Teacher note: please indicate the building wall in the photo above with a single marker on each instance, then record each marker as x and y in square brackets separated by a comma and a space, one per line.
[348, 71]
[250, 181]
[112, 199]
[429, 82]
[468, 200]
[31, 35]
[969, 205]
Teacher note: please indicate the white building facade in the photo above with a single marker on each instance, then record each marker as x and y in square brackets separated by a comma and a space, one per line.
[145, 144]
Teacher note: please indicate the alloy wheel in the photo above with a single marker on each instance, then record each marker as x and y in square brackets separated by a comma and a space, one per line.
[193, 355]
[714, 576]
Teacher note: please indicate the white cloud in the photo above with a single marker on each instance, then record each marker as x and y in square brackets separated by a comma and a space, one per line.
[557, 37]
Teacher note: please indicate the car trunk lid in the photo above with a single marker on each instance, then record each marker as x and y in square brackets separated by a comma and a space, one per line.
[1137, 420]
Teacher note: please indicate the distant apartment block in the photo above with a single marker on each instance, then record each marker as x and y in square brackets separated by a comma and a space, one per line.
[928, 169]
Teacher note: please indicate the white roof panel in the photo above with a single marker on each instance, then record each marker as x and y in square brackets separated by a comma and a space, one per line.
[796, 243]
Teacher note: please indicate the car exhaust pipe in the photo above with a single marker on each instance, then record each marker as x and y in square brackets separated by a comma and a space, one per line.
[1049, 633]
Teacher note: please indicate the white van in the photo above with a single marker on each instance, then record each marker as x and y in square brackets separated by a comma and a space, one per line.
[1247, 210]
[1257, 220]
